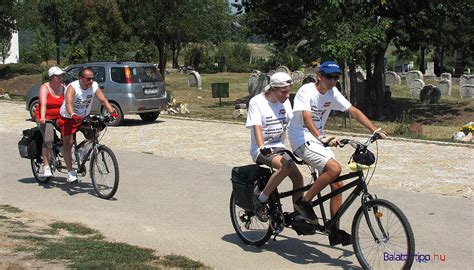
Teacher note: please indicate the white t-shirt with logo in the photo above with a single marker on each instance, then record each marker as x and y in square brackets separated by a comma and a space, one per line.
[82, 102]
[308, 98]
[273, 117]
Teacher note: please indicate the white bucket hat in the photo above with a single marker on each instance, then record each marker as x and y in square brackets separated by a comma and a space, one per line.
[279, 79]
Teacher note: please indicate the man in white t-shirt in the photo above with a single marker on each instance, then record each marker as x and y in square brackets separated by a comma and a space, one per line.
[268, 115]
[77, 104]
[312, 105]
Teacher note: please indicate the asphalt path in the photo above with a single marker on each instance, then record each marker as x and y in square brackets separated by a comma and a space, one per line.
[181, 206]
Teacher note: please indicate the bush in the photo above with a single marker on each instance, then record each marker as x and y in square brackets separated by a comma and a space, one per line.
[29, 56]
[12, 70]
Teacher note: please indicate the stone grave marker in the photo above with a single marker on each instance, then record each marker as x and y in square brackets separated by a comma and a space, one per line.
[194, 80]
[412, 75]
[467, 91]
[430, 94]
[430, 69]
[445, 87]
[446, 76]
[271, 72]
[361, 74]
[392, 78]
[283, 69]
[416, 86]
[466, 79]
[256, 84]
[297, 75]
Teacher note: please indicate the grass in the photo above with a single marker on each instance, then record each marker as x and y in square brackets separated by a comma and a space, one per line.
[80, 247]
[439, 120]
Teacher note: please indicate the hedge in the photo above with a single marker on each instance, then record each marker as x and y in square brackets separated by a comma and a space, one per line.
[12, 70]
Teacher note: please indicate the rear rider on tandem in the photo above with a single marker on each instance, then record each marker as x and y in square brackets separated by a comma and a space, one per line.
[76, 106]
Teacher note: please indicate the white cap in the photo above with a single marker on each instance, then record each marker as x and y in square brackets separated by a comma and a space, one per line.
[279, 79]
[55, 71]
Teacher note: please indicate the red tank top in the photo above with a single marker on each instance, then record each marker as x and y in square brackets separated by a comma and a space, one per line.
[53, 104]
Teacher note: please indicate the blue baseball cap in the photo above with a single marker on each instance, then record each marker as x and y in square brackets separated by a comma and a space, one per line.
[329, 67]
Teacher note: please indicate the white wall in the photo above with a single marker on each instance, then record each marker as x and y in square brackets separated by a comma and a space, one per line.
[14, 56]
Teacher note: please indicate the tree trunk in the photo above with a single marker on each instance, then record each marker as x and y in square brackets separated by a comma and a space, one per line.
[353, 84]
[58, 51]
[162, 57]
[422, 59]
[378, 84]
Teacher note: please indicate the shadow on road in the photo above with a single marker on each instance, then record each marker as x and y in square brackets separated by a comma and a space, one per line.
[61, 183]
[137, 122]
[298, 251]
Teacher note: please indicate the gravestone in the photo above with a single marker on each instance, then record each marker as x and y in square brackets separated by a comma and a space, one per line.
[413, 75]
[194, 80]
[297, 75]
[445, 87]
[361, 74]
[446, 76]
[256, 84]
[430, 94]
[271, 72]
[466, 79]
[416, 86]
[467, 91]
[255, 72]
[283, 69]
[430, 69]
[392, 78]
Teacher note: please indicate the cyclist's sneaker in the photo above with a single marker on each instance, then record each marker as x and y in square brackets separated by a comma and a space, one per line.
[306, 210]
[72, 177]
[337, 237]
[259, 208]
[47, 171]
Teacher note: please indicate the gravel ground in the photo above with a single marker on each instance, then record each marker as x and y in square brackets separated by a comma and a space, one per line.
[439, 168]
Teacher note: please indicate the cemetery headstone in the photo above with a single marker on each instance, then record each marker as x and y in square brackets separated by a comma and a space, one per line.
[392, 78]
[467, 91]
[297, 75]
[194, 80]
[430, 94]
[466, 79]
[271, 72]
[361, 74]
[256, 84]
[446, 76]
[283, 69]
[445, 87]
[416, 86]
[430, 69]
[413, 75]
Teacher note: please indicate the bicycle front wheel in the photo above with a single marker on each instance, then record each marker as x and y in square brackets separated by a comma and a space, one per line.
[247, 226]
[37, 168]
[392, 246]
[104, 172]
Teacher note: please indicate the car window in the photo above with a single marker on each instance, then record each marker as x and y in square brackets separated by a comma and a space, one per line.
[73, 74]
[135, 74]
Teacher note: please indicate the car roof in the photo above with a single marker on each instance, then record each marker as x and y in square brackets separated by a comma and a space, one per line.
[113, 63]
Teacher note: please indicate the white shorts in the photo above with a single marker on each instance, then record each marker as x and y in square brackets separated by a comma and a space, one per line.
[315, 154]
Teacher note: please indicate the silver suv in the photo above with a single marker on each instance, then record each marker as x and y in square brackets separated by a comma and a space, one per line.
[130, 87]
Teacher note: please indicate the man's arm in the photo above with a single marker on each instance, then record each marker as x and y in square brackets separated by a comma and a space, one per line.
[70, 92]
[104, 101]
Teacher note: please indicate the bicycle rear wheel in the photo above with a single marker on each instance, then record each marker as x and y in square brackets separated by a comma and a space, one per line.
[247, 226]
[37, 168]
[104, 172]
[394, 244]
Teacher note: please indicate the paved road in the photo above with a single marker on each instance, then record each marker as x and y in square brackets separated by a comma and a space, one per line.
[176, 201]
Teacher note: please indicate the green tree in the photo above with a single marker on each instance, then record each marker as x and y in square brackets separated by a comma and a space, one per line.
[7, 26]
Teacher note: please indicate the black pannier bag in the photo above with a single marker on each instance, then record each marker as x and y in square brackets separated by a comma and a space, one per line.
[31, 144]
[244, 179]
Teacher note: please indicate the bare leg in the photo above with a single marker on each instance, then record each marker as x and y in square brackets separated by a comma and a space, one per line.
[67, 141]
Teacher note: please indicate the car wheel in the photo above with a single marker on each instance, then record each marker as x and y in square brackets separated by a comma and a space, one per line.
[117, 109]
[32, 109]
[149, 117]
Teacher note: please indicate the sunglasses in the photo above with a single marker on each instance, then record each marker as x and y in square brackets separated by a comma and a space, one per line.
[332, 77]
[89, 78]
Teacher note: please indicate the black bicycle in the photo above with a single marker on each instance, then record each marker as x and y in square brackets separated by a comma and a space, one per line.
[103, 166]
[380, 230]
